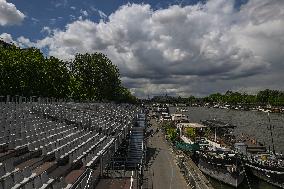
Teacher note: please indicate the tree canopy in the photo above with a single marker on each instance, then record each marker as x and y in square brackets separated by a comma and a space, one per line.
[267, 96]
[264, 97]
[27, 72]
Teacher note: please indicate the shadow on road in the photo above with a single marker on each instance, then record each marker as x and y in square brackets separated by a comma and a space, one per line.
[151, 155]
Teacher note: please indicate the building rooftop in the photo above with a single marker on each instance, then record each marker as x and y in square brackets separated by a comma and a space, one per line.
[192, 125]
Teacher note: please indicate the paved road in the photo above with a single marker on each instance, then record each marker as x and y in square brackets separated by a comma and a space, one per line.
[163, 169]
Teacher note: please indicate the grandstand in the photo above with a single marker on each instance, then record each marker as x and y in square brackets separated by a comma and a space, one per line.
[51, 144]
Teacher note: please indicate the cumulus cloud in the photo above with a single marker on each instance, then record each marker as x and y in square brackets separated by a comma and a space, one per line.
[7, 38]
[46, 29]
[197, 49]
[20, 41]
[99, 12]
[84, 12]
[9, 14]
[24, 42]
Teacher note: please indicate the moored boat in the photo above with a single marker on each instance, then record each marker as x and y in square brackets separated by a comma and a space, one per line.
[268, 167]
[217, 159]
[224, 166]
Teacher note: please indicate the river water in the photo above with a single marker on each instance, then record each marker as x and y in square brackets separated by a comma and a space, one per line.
[249, 122]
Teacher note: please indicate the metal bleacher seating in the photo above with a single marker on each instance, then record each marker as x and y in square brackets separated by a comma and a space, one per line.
[41, 143]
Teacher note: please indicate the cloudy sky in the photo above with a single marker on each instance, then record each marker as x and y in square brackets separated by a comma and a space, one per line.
[178, 47]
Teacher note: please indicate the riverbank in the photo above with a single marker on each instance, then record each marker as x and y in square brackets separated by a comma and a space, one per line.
[250, 123]
[168, 168]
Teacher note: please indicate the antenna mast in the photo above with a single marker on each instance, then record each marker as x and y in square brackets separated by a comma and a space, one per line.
[271, 135]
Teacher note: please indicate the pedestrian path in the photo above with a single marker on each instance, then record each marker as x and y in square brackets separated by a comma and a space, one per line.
[163, 170]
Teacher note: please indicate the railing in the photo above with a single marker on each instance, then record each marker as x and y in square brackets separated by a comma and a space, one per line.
[86, 179]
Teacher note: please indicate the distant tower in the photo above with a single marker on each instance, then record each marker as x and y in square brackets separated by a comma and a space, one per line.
[166, 93]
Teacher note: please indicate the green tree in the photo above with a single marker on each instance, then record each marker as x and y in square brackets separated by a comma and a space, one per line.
[95, 76]
[124, 95]
[89, 77]
[216, 97]
[190, 133]
[262, 96]
[21, 71]
[172, 133]
[56, 77]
